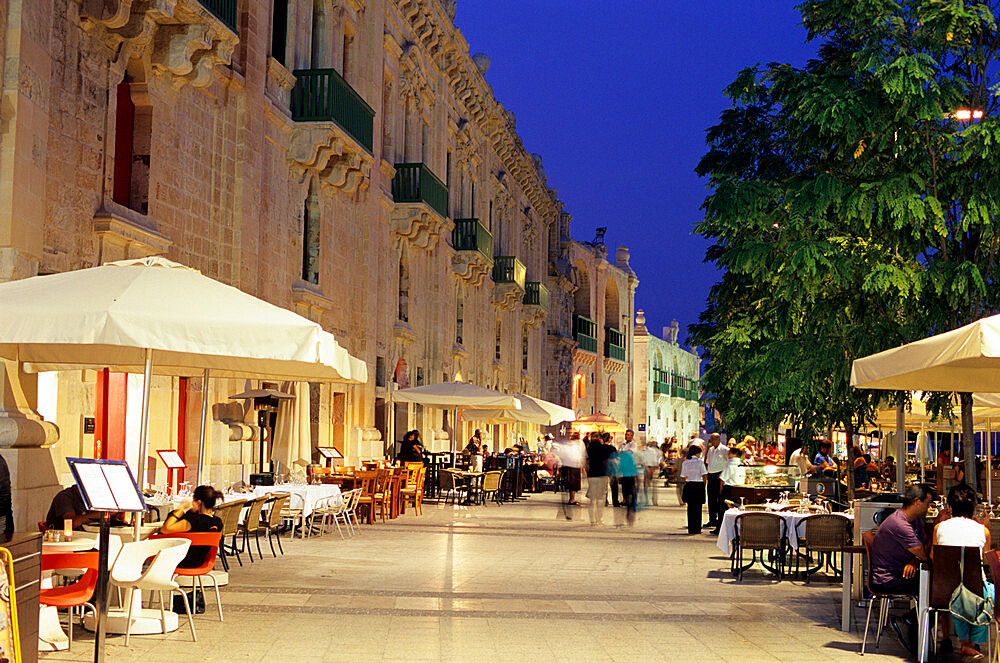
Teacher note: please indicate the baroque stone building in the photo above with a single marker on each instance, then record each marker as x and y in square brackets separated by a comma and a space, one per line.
[346, 159]
[666, 385]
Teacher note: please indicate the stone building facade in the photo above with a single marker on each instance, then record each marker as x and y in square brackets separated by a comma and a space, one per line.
[666, 385]
[345, 159]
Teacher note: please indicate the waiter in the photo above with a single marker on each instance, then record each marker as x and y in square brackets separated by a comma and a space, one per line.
[715, 458]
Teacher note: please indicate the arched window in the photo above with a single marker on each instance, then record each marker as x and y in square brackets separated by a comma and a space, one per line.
[611, 308]
[581, 298]
[404, 288]
[524, 348]
[612, 392]
[459, 314]
[498, 344]
[580, 384]
[310, 236]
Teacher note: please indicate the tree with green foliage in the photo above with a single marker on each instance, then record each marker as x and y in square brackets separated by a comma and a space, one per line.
[851, 209]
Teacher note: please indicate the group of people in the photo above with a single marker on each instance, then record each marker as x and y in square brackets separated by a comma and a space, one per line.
[710, 480]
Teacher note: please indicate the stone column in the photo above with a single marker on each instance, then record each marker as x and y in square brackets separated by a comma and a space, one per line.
[25, 444]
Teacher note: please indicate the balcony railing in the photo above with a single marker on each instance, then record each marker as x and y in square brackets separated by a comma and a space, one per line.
[585, 333]
[321, 95]
[508, 269]
[415, 183]
[614, 344]
[224, 10]
[470, 235]
[661, 381]
[536, 294]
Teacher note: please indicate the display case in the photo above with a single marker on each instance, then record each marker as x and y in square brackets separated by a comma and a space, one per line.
[764, 482]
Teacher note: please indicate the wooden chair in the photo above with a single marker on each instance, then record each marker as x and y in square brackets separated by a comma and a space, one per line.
[415, 494]
[762, 533]
[383, 493]
[397, 481]
[365, 482]
[229, 514]
[252, 523]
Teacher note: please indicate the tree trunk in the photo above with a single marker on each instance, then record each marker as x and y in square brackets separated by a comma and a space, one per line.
[849, 431]
[968, 439]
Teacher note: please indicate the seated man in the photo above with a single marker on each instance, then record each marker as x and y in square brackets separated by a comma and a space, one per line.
[68, 505]
[823, 461]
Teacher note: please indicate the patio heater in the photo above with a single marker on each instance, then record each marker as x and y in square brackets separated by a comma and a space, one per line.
[265, 402]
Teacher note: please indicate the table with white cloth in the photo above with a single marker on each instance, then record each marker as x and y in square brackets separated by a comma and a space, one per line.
[311, 495]
[727, 531]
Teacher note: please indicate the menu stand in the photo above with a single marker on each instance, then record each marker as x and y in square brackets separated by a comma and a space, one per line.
[173, 461]
[107, 486]
[329, 454]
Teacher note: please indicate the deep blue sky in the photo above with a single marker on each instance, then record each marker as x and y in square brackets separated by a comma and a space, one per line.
[616, 97]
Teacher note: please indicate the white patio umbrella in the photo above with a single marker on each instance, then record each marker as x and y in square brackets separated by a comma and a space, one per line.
[157, 316]
[457, 396]
[533, 411]
[292, 444]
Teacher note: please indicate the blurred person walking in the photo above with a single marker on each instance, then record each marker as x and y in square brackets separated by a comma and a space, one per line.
[694, 473]
[612, 470]
[716, 458]
[627, 471]
[652, 457]
[598, 454]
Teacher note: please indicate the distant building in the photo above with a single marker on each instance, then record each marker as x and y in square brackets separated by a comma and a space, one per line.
[666, 385]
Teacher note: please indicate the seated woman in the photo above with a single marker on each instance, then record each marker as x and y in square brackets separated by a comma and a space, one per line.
[196, 515]
[962, 530]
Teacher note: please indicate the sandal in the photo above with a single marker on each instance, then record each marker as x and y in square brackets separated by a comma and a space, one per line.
[970, 653]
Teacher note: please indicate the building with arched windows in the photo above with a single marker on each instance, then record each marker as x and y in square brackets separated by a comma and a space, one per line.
[666, 385]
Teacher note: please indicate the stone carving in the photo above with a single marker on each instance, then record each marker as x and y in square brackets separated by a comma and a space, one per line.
[506, 296]
[482, 62]
[326, 149]
[471, 266]
[418, 224]
[182, 39]
[451, 8]
[533, 314]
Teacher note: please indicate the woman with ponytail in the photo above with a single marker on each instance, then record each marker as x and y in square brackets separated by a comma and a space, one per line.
[195, 515]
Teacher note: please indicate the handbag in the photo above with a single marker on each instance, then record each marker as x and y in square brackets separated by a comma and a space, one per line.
[968, 606]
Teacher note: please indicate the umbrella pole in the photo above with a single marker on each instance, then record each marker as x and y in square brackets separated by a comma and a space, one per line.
[989, 464]
[143, 433]
[901, 449]
[923, 451]
[204, 426]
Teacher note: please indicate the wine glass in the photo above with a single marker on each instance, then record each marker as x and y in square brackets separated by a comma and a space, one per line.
[742, 503]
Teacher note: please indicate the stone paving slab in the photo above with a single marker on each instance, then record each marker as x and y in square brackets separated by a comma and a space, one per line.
[517, 582]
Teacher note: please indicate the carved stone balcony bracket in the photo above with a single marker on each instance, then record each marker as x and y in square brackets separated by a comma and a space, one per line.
[613, 365]
[506, 296]
[279, 84]
[327, 150]
[533, 315]
[419, 224]
[471, 266]
[584, 357]
[122, 234]
[309, 301]
[181, 37]
[403, 333]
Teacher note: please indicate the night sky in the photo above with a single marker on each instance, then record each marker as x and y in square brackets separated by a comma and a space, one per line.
[616, 97]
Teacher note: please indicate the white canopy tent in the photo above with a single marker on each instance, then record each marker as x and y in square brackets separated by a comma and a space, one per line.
[533, 411]
[156, 316]
[457, 396]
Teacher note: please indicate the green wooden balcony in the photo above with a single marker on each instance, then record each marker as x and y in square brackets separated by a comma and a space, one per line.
[321, 95]
[536, 294]
[471, 235]
[585, 333]
[224, 10]
[614, 344]
[508, 269]
[415, 183]
[661, 382]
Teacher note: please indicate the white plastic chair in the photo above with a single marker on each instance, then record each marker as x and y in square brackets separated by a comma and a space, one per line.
[127, 573]
[337, 512]
[352, 499]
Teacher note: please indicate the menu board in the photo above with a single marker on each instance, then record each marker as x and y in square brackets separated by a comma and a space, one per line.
[106, 485]
[172, 459]
[329, 452]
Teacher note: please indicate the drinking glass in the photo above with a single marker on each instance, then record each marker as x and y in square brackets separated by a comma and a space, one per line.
[742, 501]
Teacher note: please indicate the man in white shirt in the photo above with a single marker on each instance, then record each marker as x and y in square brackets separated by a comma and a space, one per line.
[651, 459]
[715, 459]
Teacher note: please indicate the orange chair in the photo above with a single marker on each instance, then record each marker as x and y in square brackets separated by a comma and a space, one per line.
[415, 494]
[76, 594]
[210, 540]
[366, 481]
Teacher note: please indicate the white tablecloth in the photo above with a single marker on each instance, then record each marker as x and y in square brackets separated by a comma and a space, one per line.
[310, 495]
[727, 532]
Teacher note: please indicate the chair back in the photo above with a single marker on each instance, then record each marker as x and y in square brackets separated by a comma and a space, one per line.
[412, 471]
[210, 540]
[826, 532]
[946, 573]
[351, 500]
[229, 514]
[382, 480]
[278, 502]
[366, 482]
[992, 559]
[491, 481]
[128, 568]
[760, 531]
[77, 592]
[446, 479]
[254, 509]
[421, 477]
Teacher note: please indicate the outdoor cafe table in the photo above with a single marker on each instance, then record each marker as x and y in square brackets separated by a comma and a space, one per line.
[727, 531]
[311, 495]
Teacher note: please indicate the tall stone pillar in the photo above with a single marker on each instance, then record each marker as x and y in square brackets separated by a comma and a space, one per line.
[25, 444]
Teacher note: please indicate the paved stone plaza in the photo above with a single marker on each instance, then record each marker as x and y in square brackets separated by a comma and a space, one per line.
[507, 583]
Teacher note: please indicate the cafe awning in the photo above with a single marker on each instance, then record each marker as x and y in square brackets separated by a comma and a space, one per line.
[533, 411]
[447, 395]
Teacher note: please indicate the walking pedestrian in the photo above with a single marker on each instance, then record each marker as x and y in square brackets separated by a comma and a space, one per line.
[694, 473]
[612, 470]
[715, 458]
[651, 459]
[627, 472]
[597, 478]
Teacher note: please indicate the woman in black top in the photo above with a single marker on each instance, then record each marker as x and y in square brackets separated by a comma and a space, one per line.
[411, 450]
[198, 515]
